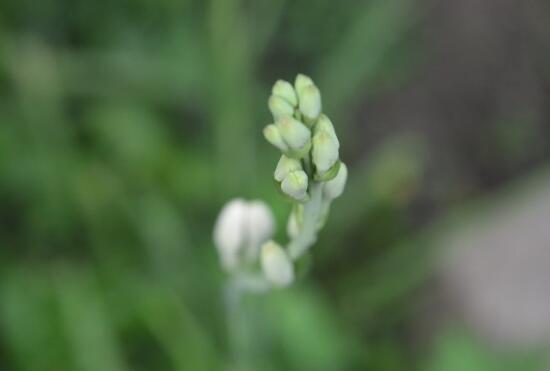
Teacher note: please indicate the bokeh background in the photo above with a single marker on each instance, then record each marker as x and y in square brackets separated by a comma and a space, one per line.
[125, 126]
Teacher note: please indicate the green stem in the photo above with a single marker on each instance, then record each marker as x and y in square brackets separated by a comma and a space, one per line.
[232, 296]
[308, 232]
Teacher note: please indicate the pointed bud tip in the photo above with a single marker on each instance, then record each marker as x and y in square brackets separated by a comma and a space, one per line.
[273, 136]
[279, 107]
[285, 90]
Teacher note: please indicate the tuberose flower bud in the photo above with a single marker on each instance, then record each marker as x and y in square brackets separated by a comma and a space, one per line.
[301, 81]
[285, 90]
[334, 187]
[309, 99]
[273, 136]
[276, 265]
[285, 166]
[324, 124]
[295, 134]
[295, 185]
[240, 229]
[325, 151]
[279, 107]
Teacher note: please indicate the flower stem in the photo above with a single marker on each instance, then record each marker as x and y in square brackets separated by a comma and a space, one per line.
[308, 233]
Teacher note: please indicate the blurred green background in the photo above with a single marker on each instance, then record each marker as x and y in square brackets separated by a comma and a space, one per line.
[126, 125]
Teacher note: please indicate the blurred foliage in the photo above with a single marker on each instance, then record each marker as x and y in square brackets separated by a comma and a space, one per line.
[124, 127]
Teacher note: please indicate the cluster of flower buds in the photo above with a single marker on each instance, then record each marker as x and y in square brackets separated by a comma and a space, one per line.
[306, 138]
[309, 173]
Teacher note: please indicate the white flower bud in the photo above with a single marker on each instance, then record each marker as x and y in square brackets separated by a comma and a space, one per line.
[279, 107]
[273, 136]
[240, 229]
[286, 165]
[301, 81]
[324, 123]
[295, 134]
[285, 90]
[325, 151]
[309, 99]
[334, 187]
[276, 265]
[295, 185]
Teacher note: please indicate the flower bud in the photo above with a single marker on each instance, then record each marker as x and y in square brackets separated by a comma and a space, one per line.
[285, 90]
[301, 81]
[276, 264]
[295, 134]
[240, 229]
[334, 187]
[285, 166]
[324, 124]
[325, 151]
[310, 102]
[279, 107]
[295, 185]
[273, 136]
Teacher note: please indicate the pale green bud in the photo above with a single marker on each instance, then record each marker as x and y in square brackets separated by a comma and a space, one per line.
[334, 187]
[273, 136]
[279, 107]
[295, 185]
[285, 90]
[301, 81]
[324, 124]
[295, 134]
[310, 101]
[285, 166]
[276, 264]
[325, 151]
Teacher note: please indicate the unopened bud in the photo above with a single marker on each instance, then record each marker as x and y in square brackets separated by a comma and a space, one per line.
[295, 134]
[285, 90]
[324, 124]
[334, 187]
[309, 102]
[240, 229]
[295, 185]
[279, 107]
[325, 151]
[273, 136]
[301, 81]
[285, 166]
[276, 265]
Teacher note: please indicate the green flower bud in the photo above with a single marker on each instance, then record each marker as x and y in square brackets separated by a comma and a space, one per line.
[295, 185]
[301, 81]
[310, 101]
[285, 166]
[324, 123]
[334, 187]
[295, 134]
[273, 136]
[279, 107]
[285, 90]
[276, 264]
[325, 151]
